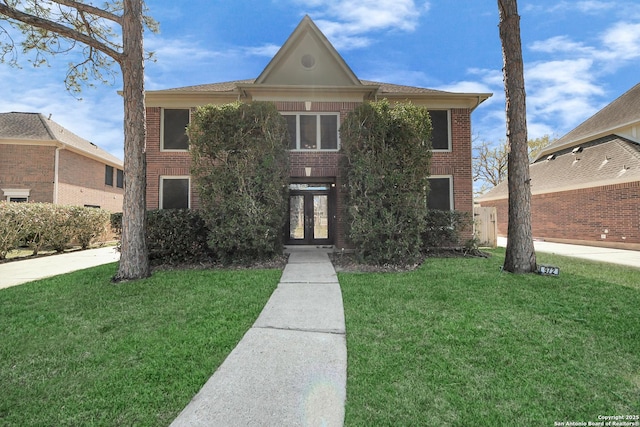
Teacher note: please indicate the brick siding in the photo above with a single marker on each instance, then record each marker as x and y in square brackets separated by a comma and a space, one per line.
[80, 179]
[584, 215]
[28, 167]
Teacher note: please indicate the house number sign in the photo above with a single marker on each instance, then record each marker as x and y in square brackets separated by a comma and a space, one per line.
[547, 270]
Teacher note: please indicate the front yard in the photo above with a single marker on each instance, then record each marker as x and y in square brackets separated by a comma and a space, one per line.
[455, 342]
[460, 343]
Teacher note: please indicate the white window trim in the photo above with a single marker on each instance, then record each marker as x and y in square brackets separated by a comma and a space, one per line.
[297, 114]
[170, 150]
[161, 189]
[449, 136]
[20, 193]
[451, 192]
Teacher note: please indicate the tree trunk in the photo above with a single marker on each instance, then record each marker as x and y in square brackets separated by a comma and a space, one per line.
[134, 258]
[520, 255]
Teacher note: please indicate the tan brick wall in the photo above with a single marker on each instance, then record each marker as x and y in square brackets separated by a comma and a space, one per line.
[584, 215]
[28, 167]
[456, 163]
[80, 179]
[82, 182]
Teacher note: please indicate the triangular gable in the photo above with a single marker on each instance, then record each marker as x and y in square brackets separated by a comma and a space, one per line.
[307, 58]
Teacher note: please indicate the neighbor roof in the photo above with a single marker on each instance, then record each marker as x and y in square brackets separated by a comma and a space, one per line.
[35, 127]
[605, 161]
[622, 112]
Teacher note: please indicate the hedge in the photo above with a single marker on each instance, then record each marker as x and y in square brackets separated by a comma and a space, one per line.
[174, 236]
[46, 226]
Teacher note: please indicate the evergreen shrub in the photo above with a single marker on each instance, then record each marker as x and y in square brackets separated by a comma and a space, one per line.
[443, 228]
[177, 236]
[241, 172]
[385, 167]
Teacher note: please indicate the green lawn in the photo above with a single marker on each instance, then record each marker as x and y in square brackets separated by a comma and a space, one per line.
[76, 350]
[459, 343]
[453, 343]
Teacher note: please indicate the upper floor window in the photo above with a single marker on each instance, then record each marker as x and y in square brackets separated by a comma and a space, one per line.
[174, 129]
[312, 131]
[119, 178]
[108, 175]
[441, 129]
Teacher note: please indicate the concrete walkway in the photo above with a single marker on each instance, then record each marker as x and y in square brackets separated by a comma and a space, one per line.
[592, 253]
[290, 368]
[23, 271]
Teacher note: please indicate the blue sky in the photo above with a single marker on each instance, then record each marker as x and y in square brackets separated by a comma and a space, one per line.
[579, 56]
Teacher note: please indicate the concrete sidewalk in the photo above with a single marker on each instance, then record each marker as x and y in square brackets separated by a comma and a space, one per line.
[23, 271]
[290, 368]
[592, 253]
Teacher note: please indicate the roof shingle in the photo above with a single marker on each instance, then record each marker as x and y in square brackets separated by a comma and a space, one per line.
[34, 126]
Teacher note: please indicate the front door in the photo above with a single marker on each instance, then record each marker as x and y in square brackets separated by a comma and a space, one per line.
[310, 218]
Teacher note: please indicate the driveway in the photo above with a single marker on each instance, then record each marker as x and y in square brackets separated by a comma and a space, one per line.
[18, 272]
[592, 253]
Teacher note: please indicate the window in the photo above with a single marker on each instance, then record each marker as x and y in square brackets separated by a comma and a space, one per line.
[174, 192]
[92, 206]
[174, 129]
[440, 134]
[108, 175]
[440, 193]
[119, 178]
[16, 195]
[313, 131]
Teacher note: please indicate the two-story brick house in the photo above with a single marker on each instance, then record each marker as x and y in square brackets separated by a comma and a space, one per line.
[314, 89]
[41, 161]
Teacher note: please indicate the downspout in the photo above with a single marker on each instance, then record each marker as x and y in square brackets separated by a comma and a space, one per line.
[56, 168]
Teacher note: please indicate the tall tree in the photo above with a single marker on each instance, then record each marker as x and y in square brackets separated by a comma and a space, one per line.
[520, 256]
[109, 35]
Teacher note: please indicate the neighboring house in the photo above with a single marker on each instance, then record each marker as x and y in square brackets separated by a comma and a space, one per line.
[40, 161]
[586, 185]
[314, 89]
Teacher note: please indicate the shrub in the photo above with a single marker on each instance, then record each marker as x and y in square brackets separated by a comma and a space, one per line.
[386, 167]
[60, 229]
[241, 171]
[44, 225]
[13, 224]
[443, 228]
[90, 223]
[174, 236]
[177, 236]
[37, 220]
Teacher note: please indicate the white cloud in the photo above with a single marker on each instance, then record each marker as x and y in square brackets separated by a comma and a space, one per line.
[347, 22]
[622, 42]
[560, 44]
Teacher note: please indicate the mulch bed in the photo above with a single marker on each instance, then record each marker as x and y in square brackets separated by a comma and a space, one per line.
[349, 262]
